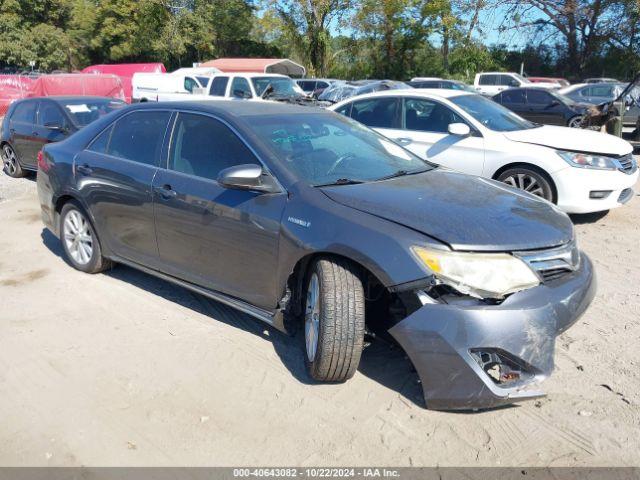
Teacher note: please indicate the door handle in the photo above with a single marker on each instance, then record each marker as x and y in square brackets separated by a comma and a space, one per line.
[166, 192]
[404, 140]
[84, 169]
[35, 134]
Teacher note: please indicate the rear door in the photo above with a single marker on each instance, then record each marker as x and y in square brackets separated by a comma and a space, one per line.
[223, 239]
[23, 135]
[114, 176]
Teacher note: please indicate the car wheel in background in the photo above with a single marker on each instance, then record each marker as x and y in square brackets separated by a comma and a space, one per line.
[529, 180]
[575, 122]
[334, 320]
[79, 240]
[10, 164]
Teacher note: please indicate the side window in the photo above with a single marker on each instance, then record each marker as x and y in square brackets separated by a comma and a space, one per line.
[202, 81]
[138, 136]
[601, 91]
[189, 84]
[345, 110]
[320, 85]
[101, 142]
[203, 146]
[489, 79]
[513, 96]
[376, 112]
[240, 88]
[50, 114]
[25, 112]
[509, 81]
[428, 116]
[219, 86]
[539, 97]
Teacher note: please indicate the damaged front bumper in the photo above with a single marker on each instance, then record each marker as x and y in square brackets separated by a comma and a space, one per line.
[482, 356]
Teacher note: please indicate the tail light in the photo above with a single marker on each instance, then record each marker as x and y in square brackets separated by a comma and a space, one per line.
[42, 163]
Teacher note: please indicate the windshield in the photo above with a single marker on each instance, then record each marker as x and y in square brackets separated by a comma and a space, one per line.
[563, 98]
[521, 78]
[281, 86]
[85, 111]
[326, 148]
[492, 115]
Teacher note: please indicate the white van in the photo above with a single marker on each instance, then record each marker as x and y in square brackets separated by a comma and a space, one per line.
[152, 86]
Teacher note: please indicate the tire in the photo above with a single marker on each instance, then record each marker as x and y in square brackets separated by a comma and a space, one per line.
[80, 241]
[334, 320]
[575, 122]
[529, 180]
[10, 163]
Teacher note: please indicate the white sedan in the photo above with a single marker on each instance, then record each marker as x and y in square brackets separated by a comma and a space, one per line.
[579, 170]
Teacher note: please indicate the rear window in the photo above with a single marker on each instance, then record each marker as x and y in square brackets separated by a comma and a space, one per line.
[85, 111]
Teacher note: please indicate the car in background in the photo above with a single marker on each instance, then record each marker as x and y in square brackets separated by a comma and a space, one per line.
[543, 106]
[492, 83]
[562, 82]
[34, 122]
[314, 86]
[307, 220]
[341, 90]
[440, 83]
[601, 80]
[580, 171]
[600, 93]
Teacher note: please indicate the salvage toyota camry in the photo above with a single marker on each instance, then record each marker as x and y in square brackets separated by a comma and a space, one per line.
[299, 216]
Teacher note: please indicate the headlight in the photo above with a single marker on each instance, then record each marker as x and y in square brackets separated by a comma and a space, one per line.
[482, 275]
[588, 160]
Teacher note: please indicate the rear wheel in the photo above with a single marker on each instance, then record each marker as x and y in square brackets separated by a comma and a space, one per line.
[529, 180]
[11, 165]
[334, 320]
[80, 241]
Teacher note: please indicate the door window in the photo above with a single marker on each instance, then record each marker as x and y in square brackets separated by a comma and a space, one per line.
[601, 91]
[345, 109]
[489, 79]
[539, 97]
[376, 112]
[428, 116]
[513, 96]
[25, 112]
[204, 146]
[50, 114]
[139, 136]
[218, 86]
[189, 84]
[240, 88]
[509, 81]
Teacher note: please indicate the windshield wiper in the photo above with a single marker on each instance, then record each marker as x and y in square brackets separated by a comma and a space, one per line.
[402, 173]
[341, 181]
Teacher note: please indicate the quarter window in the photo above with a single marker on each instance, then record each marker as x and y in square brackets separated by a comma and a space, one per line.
[240, 88]
[25, 112]
[138, 136]
[377, 112]
[101, 142]
[428, 116]
[219, 86]
[204, 146]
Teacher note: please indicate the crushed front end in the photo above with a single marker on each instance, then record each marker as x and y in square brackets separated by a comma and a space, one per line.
[472, 353]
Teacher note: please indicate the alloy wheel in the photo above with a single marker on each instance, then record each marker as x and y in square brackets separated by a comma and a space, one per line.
[525, 182]
[78, 237]
[575, 122]
[10, 160]
[312, 317]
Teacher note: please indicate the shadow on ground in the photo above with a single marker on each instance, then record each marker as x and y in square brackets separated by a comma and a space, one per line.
[381, 361]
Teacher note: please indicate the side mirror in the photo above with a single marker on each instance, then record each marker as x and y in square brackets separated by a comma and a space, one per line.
[554, 103]
[241, 94]
[459, 129]
[247, 177]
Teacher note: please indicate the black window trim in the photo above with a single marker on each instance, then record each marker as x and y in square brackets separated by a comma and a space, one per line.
[234, 130]
[474, 131]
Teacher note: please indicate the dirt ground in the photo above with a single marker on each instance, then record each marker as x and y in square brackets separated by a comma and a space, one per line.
[124, 369]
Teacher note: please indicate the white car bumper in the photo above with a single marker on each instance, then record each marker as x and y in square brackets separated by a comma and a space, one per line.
[576, 188]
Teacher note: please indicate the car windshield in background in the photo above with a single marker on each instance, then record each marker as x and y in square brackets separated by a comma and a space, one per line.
[492, 115]
[325, 149]
[281, 86]
[85, 111]
[563, 98]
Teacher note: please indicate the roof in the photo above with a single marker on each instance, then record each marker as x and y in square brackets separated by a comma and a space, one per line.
[261, 65]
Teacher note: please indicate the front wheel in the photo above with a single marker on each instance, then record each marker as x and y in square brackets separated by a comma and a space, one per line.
[575, 122]
[80, 241]
[528, 180]
[11, 165]
[334, 320]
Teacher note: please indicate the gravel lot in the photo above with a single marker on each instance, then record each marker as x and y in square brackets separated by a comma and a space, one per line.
[123, 369]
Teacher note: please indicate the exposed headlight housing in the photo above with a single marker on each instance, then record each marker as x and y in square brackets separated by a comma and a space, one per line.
[481, 275]
[588, 160]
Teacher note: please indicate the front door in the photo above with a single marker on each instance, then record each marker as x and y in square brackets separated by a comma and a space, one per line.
[425, 132]
[223, 239]
[114, 176]
[52, 124]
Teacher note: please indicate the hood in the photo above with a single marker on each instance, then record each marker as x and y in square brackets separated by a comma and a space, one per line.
[574, 139]
[463, 211]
